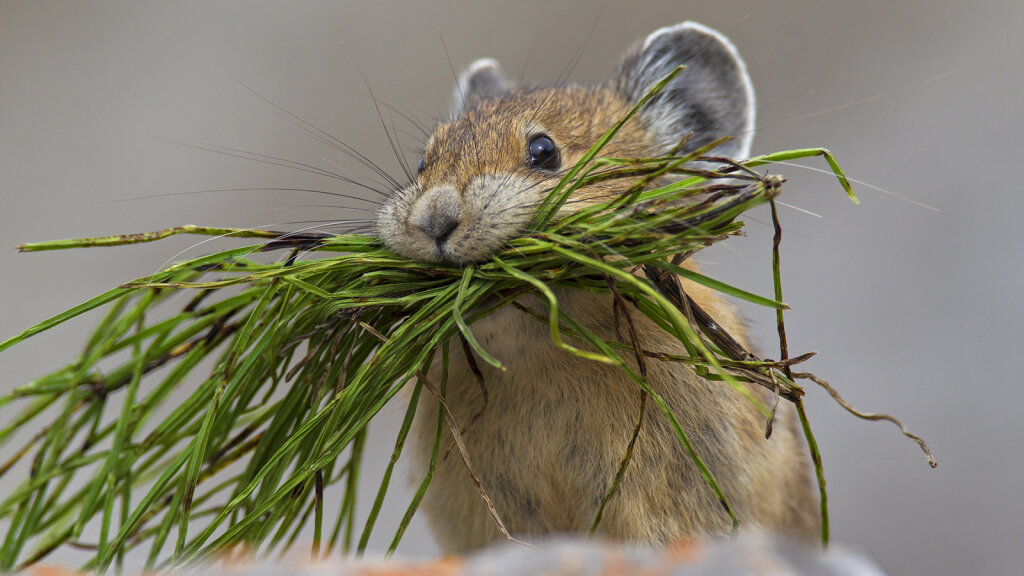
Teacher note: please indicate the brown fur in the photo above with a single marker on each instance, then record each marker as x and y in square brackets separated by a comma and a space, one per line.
[556, 426]
[548, 442]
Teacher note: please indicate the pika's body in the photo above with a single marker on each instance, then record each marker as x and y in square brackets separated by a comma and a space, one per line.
[547, 441]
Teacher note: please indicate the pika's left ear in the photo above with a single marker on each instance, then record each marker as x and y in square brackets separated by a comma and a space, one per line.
[712, 97]
[483, 80]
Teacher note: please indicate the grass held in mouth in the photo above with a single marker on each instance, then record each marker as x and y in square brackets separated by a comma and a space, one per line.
[306, 350]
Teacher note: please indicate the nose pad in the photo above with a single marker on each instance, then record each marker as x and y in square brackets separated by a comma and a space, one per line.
[437, 213]
[442, 228]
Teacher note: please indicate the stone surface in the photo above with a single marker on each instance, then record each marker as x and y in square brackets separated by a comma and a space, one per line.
[749, 555]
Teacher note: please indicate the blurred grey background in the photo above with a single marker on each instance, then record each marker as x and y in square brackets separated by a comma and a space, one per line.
[914, 312]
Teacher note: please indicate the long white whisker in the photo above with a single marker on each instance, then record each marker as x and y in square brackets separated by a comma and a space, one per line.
[798, 209]
[863, 183]
[861, 101]
[210, 239]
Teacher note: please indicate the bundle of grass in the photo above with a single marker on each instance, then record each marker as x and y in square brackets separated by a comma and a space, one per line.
[307, 351]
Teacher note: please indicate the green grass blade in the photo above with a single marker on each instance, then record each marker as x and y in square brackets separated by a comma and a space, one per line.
[460, 299]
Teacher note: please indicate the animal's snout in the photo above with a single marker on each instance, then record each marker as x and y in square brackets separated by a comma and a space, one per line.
[437, 213]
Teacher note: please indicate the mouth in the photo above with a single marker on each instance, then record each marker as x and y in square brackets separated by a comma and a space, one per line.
[453, 241]
[443, 254]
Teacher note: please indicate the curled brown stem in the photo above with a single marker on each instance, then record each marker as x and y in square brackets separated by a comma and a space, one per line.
[873, 416]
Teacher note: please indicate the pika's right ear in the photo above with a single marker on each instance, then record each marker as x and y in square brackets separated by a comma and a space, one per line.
[483, 80]
[712, 97]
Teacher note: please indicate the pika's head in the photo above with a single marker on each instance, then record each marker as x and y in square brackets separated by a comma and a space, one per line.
[485, 171]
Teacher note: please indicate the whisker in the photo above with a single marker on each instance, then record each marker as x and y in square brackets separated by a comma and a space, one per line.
[327, 138]
[276, 161]
[284, 236]
[385, 189]
[335, 207]
[409, 172]
[783, 99]
[575, 61]
[241, 218]
[279, 238]
[458, 86]
[529, 56]
[563, 78]
[863, 183]
[836, 108]
[253, 189]
[330, 221]
[408, 117]
[380, 116]
[798, 209]
[862, 101]
[416, 137]
[396, 146]
[767, 224]
[211, 239]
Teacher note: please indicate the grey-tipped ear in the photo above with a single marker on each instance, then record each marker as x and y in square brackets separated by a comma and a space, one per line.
[483, 80]
[712, 97]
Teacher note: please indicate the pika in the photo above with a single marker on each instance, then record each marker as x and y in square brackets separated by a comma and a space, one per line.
[547, 441]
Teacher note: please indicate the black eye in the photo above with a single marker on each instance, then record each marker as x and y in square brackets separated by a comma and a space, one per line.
[543, 153]
[422, 165]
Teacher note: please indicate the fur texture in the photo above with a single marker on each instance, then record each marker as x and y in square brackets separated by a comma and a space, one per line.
[547, 443]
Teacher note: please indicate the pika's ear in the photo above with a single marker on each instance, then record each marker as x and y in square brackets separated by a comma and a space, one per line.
[483, 80]
[712, 97]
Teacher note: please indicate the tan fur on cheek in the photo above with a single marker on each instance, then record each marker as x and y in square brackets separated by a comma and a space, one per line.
[491, 210]
[496, 208]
